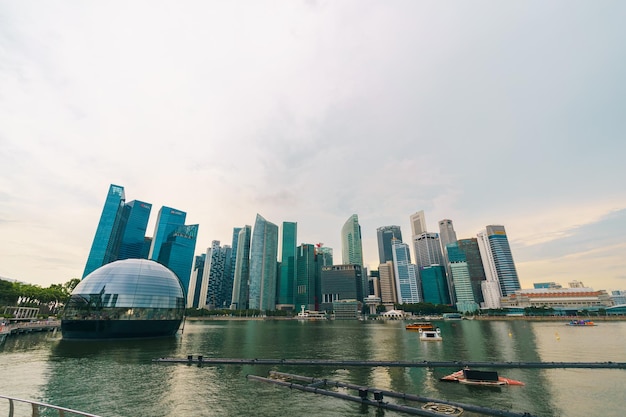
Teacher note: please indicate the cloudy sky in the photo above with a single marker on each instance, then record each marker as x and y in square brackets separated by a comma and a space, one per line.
[483, 112]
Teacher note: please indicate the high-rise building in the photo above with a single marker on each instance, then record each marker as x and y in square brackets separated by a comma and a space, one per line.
[418, 223]
[470, 249]
[434, 284]
[460, 275]
[107, 237]
[387, 283]
[339, 282]
[499, 259]
[168, 220]
[287, 276]
[324, 255]
[215, 288]
[177, 252]
[239, 299]
[447, 235]
[351, 245]
[195, 282]
[406, 275]
[427, 250]
[387, 235]
[229, 274]
[263, 264]
[134, 235]
[307, 278]
[491, 285]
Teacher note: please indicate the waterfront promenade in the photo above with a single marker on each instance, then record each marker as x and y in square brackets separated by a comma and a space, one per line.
[28, 327]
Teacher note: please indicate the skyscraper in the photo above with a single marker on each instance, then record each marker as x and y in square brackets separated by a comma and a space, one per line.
[387, 283]
[263, 263]
[195, 282]
[287, 274]
[134, 235]
[215, 287]
[502, 259]
[447, 235]
[474, 265]
[460, 274]
[351, 246]
[386, 236]
[177, 252]
[418, 223]
[406, 275]
[491, 286]
[339, 282]
[307, 278]
[167, 221]
[239, 300]
[435, 285]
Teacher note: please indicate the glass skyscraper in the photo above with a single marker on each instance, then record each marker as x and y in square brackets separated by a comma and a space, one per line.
[307, 278]
[460, 274]
[406, 275]
[387, 235]
[351, 245]
[503, 259]
[107, 237]
[177, 252]
[263, 264]
[133, 238]
[239, 300]
[287, 274]
[169, 219]
[434, 284]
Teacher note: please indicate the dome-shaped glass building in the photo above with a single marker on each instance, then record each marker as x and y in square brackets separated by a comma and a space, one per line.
[131, 298]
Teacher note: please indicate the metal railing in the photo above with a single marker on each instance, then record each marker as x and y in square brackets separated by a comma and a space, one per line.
[38, 407]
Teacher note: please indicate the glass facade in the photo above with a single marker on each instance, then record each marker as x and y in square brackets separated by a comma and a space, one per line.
[167, 221]
[239, 299]
[339, 282]
[434, 285]
[307, 276]
[263, 264]
[386, 236]
[288, 264]
[128, 298]
[177, 253]
[133, 238]
[503, 259]
[405, 274]
[105, 239]
[351, 245]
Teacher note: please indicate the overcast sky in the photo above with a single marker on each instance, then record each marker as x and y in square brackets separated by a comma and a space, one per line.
[483, 112]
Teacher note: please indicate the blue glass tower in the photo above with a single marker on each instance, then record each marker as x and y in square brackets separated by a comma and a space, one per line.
[239, 300]
[503, 259]
[177, 252]
[107, 237]
[169, 219]
[406, 274]
[387, 235]
[351, 244]
[287, 274]
[133, 238]
[306, 278]
[434, 285]
[263, 264]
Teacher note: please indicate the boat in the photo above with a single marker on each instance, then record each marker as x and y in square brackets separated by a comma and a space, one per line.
[583, 323]
[424, 325]
[452, 316]
[475, 377]
[430, 335]
[311, 315]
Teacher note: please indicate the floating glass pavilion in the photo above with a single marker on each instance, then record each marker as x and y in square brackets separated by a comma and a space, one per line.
[132, 298]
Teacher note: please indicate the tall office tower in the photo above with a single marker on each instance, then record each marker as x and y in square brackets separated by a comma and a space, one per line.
[351, 246]
[447, 235]
[418, 223]
[427, 250]
[498, 260]
[387, 280]
[469, 247]
[491, 286]
[229, 273]
[263, 264]
[460, 274]
[374, 283]
[239, 300]
[406, 275]
[215, 287]
[287, 274]
[106, 239]
[195, 281]
[307, 278]
[177, 252]
[145, 250]
[339, 282]
[169, 219]
[434, 284]
[134, 235]
[324, 255]
[387, 235]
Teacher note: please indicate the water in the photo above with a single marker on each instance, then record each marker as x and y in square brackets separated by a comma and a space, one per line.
[118, 378]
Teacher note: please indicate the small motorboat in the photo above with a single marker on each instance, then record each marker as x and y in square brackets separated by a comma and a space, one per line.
[424, 325]
[430, 335]
[474, 377]
[582, 323]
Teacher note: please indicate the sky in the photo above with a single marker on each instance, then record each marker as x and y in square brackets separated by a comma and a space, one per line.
[482, 112]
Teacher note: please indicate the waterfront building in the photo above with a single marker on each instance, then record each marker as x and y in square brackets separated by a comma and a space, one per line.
[136, 214]
[195, 282]
[177, 252]
[407, 285]
[346, 309]
[351, 245]
[470, 249]
[568, 300]
[427, 250]
[434, 284]
[106, 240]
[387, 280]
[491, 286]
[386, 236]
[340, 282]
[447, 235]
[215, 289]
[307, 278]
[229, 274]
[168, 221]
[460, 275]
[131, 298]
[287, 276]
[263, 264]
[239, 299]
[497, 259]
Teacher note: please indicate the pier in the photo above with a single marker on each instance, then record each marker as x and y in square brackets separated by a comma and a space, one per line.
[202, 360]
[28, 327]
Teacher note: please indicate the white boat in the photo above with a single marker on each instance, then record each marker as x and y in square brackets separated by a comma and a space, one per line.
[311, 315]
[430, 335]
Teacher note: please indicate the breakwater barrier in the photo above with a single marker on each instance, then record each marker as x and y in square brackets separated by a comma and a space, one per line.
[203, 360]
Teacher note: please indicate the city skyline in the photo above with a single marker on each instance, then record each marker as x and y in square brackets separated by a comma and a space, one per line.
[311, 112]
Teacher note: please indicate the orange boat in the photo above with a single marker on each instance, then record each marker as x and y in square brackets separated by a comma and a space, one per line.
[423, 325]
[473, 377]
